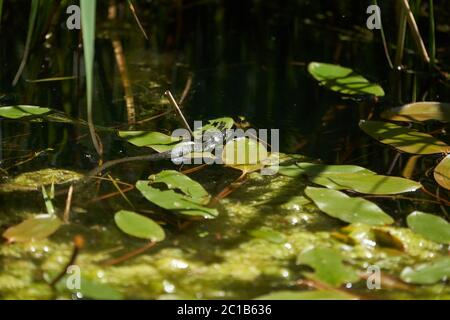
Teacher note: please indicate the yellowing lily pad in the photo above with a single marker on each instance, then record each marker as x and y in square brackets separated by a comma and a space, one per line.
[442, 173]
[403, 138]
[419, 111]
[245, 154]
[36, 228]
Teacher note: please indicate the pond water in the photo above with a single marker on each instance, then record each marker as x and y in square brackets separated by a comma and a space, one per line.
[245, 60]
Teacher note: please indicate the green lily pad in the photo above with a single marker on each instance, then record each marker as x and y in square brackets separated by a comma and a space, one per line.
[215, 124]
[36, 228]
[139, 226]
[442, 173]
[245, 154]
[343, 80]
[158, 141]
[34, 180]
[352, 210]
[269, 235]
[403, 138]
[429, 226]
[328, 266]
[305, 295]
[428, 273]
[419, 111]
[191, 201]
[22, 111]
[98, 291]
[375, 184]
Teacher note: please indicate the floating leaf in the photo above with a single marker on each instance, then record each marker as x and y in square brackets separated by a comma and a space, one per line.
[244, 154]
[21, 111]
[442, 173]
[419, 111]
[375, 184]
[305, 295]
[215, 124]
[191, 201]
[428, 273]
[34, 180]
[343, 80]
[98, 291]
[353, 210]
[269, 235]
[429, 226]
[139, 226]
[155, 140]
[36, 228]
[328, 266]
[403, 138]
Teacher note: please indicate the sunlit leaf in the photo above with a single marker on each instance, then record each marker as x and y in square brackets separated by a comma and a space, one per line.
[403, 138]
[185, 196]
[269, 235]
[306, 295]
[429, 226]
[21, 111]
[428, 273]
[216, 124]
[139, 226]
[160, 142]
[442, 173]
[36, 228]
[353, 210]
[343, 80]
[419, 111]
[375, 184]
[328, 266]
[245, 154]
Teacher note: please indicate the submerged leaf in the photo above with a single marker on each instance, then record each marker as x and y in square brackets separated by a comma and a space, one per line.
[442, 173]
[192, 201]
[21, 111]
[353, 210]
[305, 295]
[99, 291]
[36, 228]
[269, 235]
[343, 80]
[328, 266]
[429, 226]
[419, 111]
[428, 273]
[403, 138]
[139, 226]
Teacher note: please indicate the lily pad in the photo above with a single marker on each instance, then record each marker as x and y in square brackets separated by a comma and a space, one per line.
[139, 226]
[245, 154]
[403, 138]
[429, 226]
[352, 210]
[99, 291]
[305, 295]
[190, 199]
[36, 228]
[34, 180]
[442, 173]
[375, 184]
[22, 111]
[428, 273]
[328, 266]
[158, 141]
[343, 80]
[419, 111]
